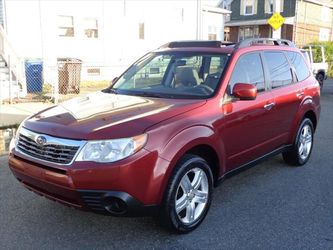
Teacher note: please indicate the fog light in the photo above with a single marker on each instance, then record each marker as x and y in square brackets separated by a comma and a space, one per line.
[115, 205]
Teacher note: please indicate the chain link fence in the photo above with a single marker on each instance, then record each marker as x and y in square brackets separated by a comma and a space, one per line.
[69, 78]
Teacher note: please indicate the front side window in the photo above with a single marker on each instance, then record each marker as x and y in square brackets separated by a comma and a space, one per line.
[248, 69]
[279, 69]
[302, 69]
[173, 75]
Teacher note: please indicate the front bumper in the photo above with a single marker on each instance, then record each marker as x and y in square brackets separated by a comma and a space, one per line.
[130, 187]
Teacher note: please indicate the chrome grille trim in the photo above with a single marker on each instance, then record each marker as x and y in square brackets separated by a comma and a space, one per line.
[56, 150]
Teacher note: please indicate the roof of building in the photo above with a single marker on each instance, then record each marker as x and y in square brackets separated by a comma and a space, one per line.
[327, 3]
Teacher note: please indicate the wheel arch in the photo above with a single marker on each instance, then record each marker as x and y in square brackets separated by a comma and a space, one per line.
[312, 116]
[208, 154]
[305, 113]
[201, 141]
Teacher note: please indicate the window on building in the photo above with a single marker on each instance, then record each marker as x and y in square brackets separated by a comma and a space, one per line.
[141, 31]
[212, 33]
[302, 70]
[249, 7]
[91, 27]
[279, 69]
[94, 71]
[325, 14]
[269, 6]
[66, 26]
[324, 34]
[226, 34]
[248, 69]
[248, 32]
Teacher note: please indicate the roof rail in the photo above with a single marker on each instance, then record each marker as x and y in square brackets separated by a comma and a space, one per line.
[253, 41]
[195, 43]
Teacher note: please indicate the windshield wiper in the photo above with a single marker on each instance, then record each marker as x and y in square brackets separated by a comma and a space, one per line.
[160, 95]
[150, 94]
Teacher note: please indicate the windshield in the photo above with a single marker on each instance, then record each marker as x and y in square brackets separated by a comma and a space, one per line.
[173, 75]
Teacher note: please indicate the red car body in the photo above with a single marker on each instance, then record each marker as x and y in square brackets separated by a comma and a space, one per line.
[228, 135]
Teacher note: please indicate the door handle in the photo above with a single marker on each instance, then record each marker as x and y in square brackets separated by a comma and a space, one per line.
[269, 106]
[300, 94]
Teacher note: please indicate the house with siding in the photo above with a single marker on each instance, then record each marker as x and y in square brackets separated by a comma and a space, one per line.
[306, 21]
[106, 35]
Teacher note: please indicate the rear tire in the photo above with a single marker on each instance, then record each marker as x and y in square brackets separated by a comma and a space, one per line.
[302, 147]
[188, 195]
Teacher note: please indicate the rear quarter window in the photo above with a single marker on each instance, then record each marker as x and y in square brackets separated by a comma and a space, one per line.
[302, 69]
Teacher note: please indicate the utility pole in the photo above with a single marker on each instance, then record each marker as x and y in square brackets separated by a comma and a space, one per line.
[277, 8]
[199, 21]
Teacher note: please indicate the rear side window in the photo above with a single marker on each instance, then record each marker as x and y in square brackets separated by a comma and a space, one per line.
[248, 69]
[302, 69]
[279, 69]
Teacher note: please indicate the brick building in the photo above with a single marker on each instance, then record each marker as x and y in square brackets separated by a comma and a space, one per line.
[306, 21]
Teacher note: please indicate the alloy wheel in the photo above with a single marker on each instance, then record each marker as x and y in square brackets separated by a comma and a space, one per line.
[305, 142]
[192, 195]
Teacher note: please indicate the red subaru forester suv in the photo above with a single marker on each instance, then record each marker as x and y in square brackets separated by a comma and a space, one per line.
[178, 121]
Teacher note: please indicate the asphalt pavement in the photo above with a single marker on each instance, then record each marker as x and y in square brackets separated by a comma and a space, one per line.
[270, 206]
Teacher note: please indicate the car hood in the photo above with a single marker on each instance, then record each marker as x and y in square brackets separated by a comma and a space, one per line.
[106, 116]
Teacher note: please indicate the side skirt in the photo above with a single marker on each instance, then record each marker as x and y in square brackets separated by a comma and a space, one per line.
[252, 163]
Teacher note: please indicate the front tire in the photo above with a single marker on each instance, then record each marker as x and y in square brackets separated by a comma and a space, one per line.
[302, 147]
[189, 193]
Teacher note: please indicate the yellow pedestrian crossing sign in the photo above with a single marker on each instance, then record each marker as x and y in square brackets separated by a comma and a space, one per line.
[276, 21]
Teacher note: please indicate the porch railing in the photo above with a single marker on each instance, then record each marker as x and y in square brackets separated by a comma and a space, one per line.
[14, 82]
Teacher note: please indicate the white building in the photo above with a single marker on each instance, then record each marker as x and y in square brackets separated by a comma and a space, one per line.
[107, 35]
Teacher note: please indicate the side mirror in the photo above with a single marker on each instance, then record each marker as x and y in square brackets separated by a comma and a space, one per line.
[113, 81]
[244, 91]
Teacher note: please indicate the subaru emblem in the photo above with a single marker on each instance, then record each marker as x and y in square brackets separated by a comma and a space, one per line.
[41, 140]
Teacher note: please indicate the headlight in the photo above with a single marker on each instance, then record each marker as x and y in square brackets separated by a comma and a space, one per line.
[111, 150]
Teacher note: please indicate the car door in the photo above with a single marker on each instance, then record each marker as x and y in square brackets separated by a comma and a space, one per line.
[288, 94]
[245, 128]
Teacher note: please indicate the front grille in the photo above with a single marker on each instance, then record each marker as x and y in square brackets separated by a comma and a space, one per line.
[56, 150]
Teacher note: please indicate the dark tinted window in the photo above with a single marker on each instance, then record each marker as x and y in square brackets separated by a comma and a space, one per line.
[248, 69]
[302, 70]
[279, 69]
